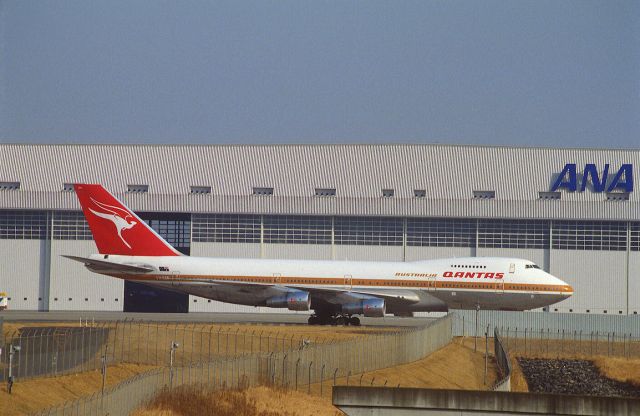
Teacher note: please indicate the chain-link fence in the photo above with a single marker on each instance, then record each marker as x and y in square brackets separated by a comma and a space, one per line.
[53, 351]
[530, 341]
[295, 368]
[502, 362]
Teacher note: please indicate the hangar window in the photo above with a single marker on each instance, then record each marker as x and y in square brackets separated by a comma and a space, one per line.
[617, 196]
[70, 225]
[368, 231]
[9, 186]
[225, 228]
[635, 236]
[23, 225]
[138, 189]
[440, 232]
[484, 194]
[513, 234]
[420, 193]
[590, 235]
[67, 187]
[549, 195]
[325, 192]
[175, 229]
[388, 193]
[262, 191]
[199, 190]
[297, 229]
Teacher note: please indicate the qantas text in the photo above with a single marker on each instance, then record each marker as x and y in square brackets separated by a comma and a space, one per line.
[471, 275]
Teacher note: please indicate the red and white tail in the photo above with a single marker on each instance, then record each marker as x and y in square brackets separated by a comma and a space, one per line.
[116, 229]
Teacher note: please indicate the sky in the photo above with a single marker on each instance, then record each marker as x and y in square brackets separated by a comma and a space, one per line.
[517, 73]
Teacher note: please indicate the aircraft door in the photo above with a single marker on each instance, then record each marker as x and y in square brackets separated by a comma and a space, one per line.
[500, 286]
[277, 278]
[512, 268]
[431, 284]
[348, 281]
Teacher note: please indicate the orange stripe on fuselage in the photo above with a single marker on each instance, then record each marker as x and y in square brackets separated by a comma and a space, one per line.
[358, 282]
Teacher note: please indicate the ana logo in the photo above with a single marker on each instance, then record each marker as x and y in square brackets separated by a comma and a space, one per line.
[118, 216]
[568, 179]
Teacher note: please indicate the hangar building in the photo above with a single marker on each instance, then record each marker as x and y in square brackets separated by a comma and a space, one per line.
[572, 211]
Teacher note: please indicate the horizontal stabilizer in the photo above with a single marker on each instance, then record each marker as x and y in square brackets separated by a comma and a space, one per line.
[107, 266]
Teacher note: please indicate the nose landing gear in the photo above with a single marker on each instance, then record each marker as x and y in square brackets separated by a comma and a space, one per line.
[335, 320]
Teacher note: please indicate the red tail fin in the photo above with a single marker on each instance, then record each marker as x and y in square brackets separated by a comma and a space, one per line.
[115, 228]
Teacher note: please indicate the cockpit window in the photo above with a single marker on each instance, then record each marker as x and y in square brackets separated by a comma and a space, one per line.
[531, 266]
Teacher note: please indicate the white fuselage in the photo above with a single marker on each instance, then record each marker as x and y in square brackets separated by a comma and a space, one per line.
[429, 285]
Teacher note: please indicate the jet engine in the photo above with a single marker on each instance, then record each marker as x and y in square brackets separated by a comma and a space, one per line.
[368, 307]
[294, 301]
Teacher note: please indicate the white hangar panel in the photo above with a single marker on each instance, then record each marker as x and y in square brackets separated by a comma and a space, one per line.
[538, 256]
[598, 279]
[634, 282]
[368, 253]
[297, 251]
[226, 250]
[23, 273]
[431, 253]
[71, 280]
[198, 304]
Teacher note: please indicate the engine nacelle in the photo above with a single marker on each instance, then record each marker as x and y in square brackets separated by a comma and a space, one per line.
[294, 301]
[374, 308]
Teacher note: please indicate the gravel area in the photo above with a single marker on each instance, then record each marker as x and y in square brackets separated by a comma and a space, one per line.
[572, 377]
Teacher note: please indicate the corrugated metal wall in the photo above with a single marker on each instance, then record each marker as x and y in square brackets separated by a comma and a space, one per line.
[73, 287]
[598, 278]
[24, 273]
[449, 174]
[634, 282]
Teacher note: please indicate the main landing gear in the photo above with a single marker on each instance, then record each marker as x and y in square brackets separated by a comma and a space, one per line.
[342, 320]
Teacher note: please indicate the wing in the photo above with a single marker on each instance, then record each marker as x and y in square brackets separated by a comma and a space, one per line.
[261, 291]
[101, 266]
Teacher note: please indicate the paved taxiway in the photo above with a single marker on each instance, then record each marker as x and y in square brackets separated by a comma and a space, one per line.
[213, 317]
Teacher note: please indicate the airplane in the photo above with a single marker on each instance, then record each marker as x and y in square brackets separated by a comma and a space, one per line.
[335, 291]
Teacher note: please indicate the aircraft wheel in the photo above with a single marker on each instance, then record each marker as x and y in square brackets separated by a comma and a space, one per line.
[340, 320]
[313, 320]
[354, 320]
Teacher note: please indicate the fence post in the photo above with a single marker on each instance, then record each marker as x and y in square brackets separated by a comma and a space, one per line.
[297, 363]
[321, 378]
[209, 351]
[284, 361]
[309, 380]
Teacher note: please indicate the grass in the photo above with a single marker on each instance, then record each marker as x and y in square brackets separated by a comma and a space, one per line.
[255, 401]
[29, 396]
[149, 343]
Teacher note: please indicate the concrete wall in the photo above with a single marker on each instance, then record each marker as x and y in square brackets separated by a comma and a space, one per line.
[378, 401]
[24, 273]
[73, 287]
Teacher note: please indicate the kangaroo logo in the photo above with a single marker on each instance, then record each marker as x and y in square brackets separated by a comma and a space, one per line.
[118, 216]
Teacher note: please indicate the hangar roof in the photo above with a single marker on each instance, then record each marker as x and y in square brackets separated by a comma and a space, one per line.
[447, 174]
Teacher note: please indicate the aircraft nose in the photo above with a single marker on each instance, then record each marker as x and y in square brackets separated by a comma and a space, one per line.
[566, 289]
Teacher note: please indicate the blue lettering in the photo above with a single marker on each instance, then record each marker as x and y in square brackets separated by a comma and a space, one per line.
[627, 184]
[571, 183]
[591, 170]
